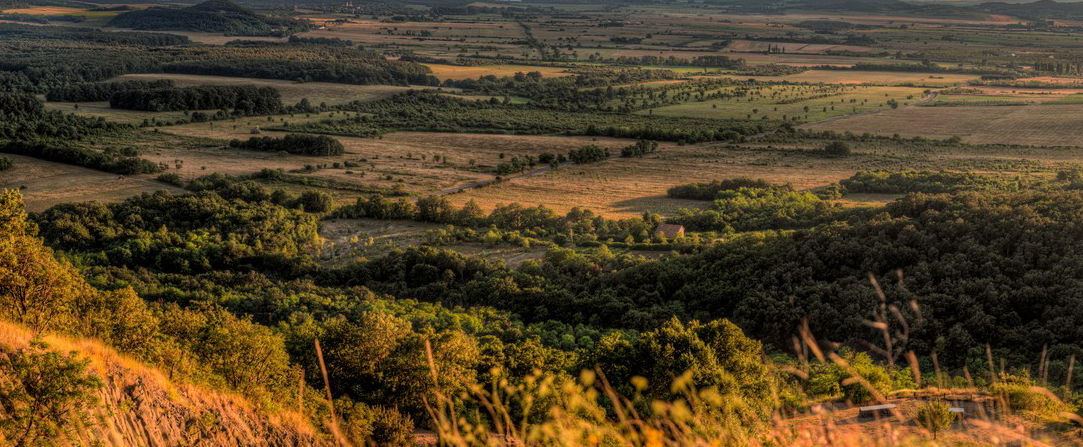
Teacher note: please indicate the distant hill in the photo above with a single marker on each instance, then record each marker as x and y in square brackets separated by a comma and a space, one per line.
[1041, 9]
[216, 16]
[896, 7]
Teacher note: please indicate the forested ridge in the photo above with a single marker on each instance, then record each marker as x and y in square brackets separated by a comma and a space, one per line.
[221, 16]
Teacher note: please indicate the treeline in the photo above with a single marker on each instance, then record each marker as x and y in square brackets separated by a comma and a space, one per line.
[353, 70]
[711, 190]
[292, 143]
[537, 222]
[432, 111]
[672, 61]
[23, 117]
[896, 182]
[102, 91]
[247, 100]
[117, 161]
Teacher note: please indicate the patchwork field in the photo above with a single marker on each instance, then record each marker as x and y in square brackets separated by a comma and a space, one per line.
[801, 103]
[402, 160]
[1041, 125]
[873, 77]
[626, 187]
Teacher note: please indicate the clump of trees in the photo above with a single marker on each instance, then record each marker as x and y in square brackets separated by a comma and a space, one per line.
[245, 100]
[292, 143]
[836, 149]
[639, 149]
[117, 161]
[710, 190]
[588, 154]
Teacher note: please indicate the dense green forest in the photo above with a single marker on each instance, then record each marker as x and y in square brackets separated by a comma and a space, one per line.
[222, 16]
[246, 100]
[101, 91]
[293, 143]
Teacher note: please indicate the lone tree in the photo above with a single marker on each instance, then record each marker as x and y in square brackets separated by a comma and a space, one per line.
[836, 149]
[44, 395]
[935, 416]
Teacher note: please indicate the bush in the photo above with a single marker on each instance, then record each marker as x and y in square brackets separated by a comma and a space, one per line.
[935, 416]
[1031, 401]
[172, 179]
[5, 163]
[836, 149]
[588, 154]
[315, 202]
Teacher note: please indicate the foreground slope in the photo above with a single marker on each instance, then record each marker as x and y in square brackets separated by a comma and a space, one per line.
[140, 406]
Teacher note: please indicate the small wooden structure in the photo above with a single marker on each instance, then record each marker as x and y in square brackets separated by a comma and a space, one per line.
[882, 411]
[670, 231]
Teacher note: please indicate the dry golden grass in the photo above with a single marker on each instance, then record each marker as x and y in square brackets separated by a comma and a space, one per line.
[623, 187]
[626, 187]
[473, 72]
[48, 183]
[407, 157]
[44, 11]
[141, 405]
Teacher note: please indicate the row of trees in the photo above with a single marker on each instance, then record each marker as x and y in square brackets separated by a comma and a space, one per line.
[243, 99]
[292, 143]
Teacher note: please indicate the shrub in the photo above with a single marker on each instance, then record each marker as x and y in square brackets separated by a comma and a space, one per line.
[935, 416]
[5, 163]
[172, 179]
[836, 149]
[1031, 401]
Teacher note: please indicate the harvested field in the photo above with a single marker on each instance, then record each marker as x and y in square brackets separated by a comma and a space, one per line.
[474, 72]
[48, 183]
[403, 160]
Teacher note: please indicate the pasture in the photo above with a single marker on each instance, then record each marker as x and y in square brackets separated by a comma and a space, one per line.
[797, 103]
[1039, 125]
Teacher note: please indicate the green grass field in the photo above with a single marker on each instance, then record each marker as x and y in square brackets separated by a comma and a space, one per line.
[786, 102]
